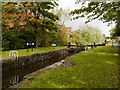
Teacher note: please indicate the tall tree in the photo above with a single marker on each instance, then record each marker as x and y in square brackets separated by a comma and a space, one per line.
[64, 16]
[76, 38]
[35, 14]
[105, 11]
[90, 35]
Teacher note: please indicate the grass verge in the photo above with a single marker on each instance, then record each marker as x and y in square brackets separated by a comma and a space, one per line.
[22, 52]
[97, 68]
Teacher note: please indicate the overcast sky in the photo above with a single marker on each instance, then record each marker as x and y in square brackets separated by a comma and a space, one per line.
[79, 23]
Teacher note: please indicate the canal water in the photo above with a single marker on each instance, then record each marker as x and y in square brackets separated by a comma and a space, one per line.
[14, 76]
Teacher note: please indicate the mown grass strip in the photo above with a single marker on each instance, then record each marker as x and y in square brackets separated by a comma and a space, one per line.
[97, 68]
[22, 52]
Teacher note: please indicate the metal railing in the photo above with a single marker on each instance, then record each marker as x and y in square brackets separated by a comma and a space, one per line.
[13, 53]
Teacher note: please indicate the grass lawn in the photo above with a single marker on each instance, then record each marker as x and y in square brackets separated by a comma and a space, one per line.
[22, 52]
[97, 68]
[118, 42]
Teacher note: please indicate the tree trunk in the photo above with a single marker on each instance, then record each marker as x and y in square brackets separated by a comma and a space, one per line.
[46, 42]
[36, 40]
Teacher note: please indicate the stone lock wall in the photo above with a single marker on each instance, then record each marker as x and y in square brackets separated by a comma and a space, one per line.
[44, 58]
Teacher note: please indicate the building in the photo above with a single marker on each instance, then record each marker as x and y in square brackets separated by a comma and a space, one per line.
[66, 29]
[11, 24]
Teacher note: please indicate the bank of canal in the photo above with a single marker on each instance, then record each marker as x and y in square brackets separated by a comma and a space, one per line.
[97, 68]
[13, 70]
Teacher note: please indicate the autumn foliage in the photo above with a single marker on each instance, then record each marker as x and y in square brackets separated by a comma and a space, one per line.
[31, 16]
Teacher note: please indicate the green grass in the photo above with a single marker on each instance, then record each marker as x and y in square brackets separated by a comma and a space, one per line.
[97, 68]
[22, 52]
[118, 42]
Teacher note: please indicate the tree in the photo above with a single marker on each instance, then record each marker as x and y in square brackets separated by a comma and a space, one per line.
[76, 38]
[105, 11]
[117, 29]
[47, 37]
[114, 32]
[16, 39]
[62, 34]
[89, 35]
[36, 15]
[64, 16]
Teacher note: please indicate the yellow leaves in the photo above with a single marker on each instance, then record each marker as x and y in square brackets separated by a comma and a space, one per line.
[47, 30]
[23, 9]
[34, 4]
[28, 4]
[6, 7]
[4, 3]
[53, 31]
[30, 19]
[38, 20]
[41, 20]
[32, 15]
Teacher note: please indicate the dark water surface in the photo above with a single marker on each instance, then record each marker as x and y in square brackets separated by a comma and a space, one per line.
[14, 76]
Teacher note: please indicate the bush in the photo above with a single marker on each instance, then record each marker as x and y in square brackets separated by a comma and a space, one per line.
[16, 40]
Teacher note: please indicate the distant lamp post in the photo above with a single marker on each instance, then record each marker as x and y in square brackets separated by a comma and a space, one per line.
[69, 44]
[105, 42]
[94, 45]
[32, 46]
[28, 44]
